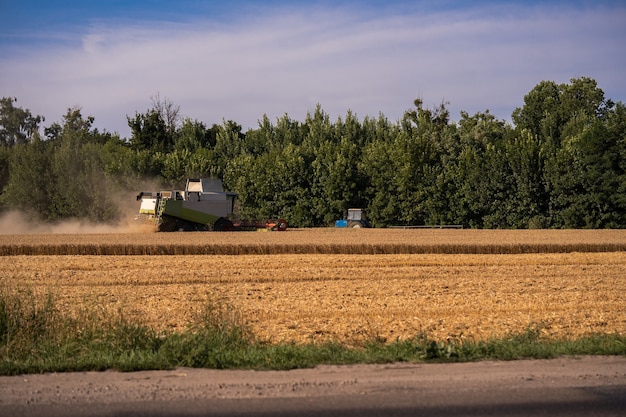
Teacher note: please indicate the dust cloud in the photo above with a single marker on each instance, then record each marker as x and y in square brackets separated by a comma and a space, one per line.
[20, 222]
[16, 223]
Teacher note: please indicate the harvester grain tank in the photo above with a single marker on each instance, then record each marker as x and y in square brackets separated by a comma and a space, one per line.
[202, 205]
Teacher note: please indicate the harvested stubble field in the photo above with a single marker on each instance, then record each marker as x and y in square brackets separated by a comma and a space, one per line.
[332, 284]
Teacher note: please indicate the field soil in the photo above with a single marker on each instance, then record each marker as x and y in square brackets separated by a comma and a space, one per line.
[567, 287]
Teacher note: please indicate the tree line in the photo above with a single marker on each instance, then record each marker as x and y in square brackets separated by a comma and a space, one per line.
[560, 164]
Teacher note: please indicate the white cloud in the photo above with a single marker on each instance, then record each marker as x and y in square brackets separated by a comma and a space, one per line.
[288, 62]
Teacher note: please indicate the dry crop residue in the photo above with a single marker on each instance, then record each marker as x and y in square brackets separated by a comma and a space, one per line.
[347, 298]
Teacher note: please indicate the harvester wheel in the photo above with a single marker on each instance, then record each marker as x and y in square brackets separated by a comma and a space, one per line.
[281, 225]
[222, 225]
[168, 224]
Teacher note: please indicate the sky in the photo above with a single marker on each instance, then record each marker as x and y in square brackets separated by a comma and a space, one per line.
[241, 59]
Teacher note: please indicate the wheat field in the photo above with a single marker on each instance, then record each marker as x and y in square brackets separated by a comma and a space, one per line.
[321, 241]
[565, 283]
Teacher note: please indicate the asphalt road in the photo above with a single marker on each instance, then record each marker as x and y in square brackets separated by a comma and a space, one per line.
[585, 386]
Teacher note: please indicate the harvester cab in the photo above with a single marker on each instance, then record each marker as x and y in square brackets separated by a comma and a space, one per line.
[355, 218]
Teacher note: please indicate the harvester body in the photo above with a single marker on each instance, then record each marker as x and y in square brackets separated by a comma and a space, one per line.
[202, 205]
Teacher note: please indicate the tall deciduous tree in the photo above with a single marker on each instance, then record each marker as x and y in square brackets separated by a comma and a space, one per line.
[150, 132]
[81, 188]
[30, 185]
[167, 111]
[17, 125]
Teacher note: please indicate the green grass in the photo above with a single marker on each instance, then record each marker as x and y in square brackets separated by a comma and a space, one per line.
[35, 337]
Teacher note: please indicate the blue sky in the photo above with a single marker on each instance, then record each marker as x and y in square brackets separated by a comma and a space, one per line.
[238, 60]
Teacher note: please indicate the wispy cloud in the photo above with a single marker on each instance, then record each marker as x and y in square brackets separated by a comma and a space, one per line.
[287, 62]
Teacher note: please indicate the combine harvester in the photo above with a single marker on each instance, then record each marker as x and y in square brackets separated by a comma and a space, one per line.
[202, 206]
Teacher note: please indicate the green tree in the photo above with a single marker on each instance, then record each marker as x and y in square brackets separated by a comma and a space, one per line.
[417, 153]
[182, 164]
[541, 114]
[529, 196]
[480, 176]
[576, 154]
[260, 140]
[587, 178]
[167, 111]
[553, 111]
[30, 184]
[425, 119]
[336, 182]
[117, 159]
[17, 125]
[378, 166]
[150, 132]
[194, 135]
[5, 160]
[243, 176]
[292, 181]
[148, 164]
[81, 189]
[229, 143]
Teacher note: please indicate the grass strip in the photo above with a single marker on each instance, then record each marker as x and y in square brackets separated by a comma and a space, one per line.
[36, 338]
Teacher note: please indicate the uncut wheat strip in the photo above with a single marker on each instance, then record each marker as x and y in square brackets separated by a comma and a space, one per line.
[290, 249]
[330, 236]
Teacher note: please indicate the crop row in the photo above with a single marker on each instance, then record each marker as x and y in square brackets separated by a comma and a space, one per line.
[278, 249]
[318, 241]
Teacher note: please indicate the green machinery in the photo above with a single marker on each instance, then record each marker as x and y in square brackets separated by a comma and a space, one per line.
[203, 205]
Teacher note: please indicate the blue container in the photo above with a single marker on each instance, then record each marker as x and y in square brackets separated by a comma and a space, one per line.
[341, 223]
